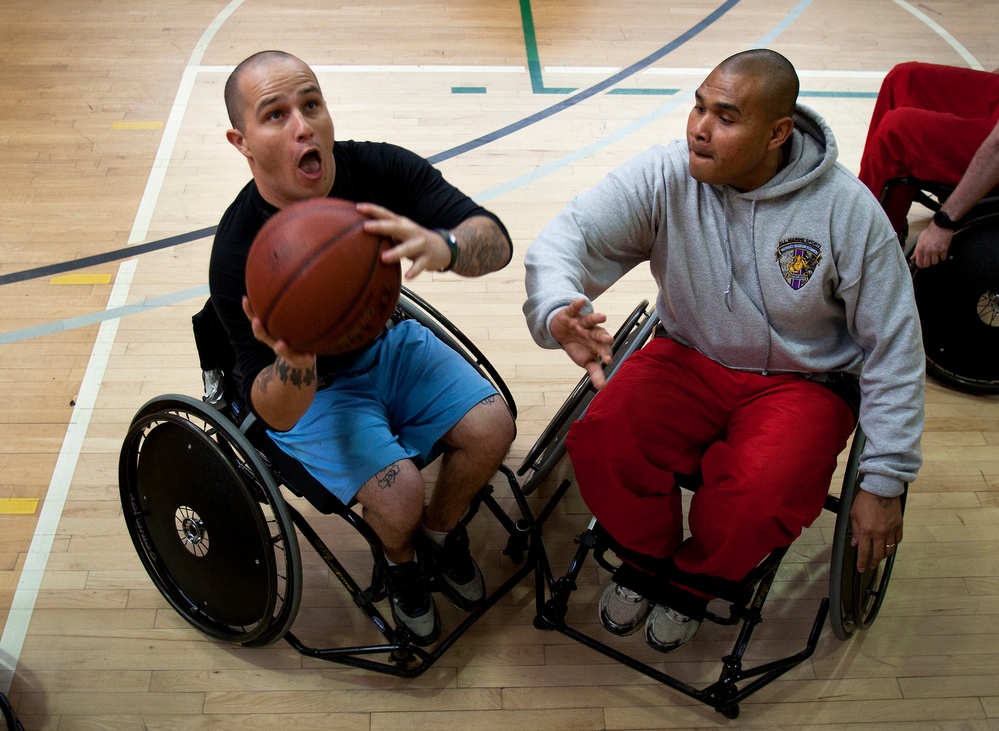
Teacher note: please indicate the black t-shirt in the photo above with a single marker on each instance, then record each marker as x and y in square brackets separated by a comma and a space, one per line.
[373, 172]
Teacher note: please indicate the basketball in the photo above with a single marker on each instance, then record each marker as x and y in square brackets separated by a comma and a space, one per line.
[315, 277]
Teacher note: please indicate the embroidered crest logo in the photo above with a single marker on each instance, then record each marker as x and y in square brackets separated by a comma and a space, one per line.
[798, 259]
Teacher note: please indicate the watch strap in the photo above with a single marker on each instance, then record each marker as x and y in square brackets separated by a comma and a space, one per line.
[944, 221]
[452, 245]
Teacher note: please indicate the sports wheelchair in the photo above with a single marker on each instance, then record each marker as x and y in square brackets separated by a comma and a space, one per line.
[11, 722]
[958, 299]
[200, 485]
[855, 598]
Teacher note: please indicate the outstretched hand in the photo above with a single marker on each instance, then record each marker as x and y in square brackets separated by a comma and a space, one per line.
[582, 338]
[877, 528]
[426, 249]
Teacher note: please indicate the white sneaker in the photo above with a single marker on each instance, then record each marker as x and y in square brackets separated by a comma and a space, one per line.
[621, 609]
[667, 630]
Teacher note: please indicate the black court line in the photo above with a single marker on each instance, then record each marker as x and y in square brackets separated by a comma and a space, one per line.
[138, 249]
[87, 261]
[588, 92]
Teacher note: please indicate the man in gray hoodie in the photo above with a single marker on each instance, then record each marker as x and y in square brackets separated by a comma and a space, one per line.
[777, 272]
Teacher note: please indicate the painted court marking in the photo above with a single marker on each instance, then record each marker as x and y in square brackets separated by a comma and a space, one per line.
[23, 603]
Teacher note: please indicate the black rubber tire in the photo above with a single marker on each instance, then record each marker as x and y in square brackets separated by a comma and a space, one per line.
[209, 523]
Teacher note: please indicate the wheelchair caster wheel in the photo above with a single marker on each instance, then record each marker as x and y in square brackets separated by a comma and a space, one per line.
[727, 693]
[552, 614]
[404, 659]
[516, 547]
[541, 623]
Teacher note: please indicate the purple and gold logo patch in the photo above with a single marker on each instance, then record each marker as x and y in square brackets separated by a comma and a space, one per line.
[797, 259]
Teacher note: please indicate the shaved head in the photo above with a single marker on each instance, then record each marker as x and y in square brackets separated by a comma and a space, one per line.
[282, 126]
[235, 104]
[778, 81]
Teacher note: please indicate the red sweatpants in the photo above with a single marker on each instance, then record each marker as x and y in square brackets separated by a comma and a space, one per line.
[766, 445]
[928, 122]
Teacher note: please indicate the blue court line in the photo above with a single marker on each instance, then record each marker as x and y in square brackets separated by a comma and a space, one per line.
[202, 233]
[94, 318]
[528, 23]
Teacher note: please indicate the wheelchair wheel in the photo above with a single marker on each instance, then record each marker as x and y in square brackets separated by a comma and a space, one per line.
[550, 446]
[11, 722]
[209, 523]
[855, 598]
[958, 302]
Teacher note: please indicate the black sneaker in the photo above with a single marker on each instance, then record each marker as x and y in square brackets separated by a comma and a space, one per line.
[412, 605]
[460, 578]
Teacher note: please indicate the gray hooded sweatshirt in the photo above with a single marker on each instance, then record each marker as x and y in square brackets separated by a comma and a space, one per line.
[802, 275]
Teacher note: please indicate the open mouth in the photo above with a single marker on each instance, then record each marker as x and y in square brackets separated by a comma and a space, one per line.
[310, 163]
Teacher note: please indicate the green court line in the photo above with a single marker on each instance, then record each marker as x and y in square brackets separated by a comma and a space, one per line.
[659, 92]
[533, 61]
[841, 94]
[468, 90]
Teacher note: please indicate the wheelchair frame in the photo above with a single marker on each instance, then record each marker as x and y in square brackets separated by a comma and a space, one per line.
[958, 300]
[856, 598]
[11, 722]
[249, 470]
[236, 464]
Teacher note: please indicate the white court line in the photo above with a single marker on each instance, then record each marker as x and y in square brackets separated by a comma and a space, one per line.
[577, 70]
[942, 32]
[386, 69]
[23, 604]
[701, 73]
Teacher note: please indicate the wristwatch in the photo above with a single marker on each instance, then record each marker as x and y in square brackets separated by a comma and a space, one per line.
[452, 245]
[942, 220]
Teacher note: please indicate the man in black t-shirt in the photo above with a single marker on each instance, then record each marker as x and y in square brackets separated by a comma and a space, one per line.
[361, 423]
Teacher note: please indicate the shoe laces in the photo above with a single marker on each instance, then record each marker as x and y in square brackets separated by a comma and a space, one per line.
[626, 594]
[670, 627]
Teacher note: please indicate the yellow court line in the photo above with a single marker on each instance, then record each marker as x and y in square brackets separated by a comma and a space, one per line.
[81, 279]
[136, 125]
[18, 505]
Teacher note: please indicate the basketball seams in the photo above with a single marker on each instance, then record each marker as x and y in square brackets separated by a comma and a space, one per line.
[294, 218]
[307, 266]
[319, 290]
[357, 310]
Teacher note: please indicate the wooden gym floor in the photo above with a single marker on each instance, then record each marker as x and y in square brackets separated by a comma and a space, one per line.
[112, 136]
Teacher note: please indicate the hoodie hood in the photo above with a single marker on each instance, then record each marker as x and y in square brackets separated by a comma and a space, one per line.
[813, 153]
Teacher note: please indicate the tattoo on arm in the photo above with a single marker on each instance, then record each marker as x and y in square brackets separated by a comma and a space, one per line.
[286, 374]
[884, 502]
[483, 247]
[489, 400]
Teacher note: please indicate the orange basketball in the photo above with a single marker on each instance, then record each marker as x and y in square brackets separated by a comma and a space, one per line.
[315, 277]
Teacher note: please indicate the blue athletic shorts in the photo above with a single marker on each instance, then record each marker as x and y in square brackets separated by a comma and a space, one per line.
[395, 401]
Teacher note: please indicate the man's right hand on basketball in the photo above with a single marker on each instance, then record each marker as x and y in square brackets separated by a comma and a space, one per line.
[582, 338]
